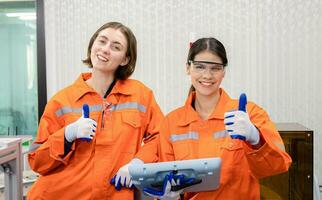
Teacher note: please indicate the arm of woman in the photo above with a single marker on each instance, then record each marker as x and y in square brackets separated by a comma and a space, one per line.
[48, 148]
[165, 149]
[270, 158]
[149, 151]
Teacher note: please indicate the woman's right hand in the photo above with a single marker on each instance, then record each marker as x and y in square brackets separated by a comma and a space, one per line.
[84, 128]
[166, 193]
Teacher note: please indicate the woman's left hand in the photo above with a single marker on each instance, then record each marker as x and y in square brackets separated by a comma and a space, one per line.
[123, 177]
[239, 126]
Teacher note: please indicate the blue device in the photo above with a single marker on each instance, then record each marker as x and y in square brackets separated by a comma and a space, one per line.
[204, 174]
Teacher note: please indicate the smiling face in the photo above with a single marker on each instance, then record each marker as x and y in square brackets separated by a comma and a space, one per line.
[109, 51]
[207, 81]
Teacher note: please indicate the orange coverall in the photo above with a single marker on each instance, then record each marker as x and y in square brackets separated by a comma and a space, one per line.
[184, 135]
[133, 117]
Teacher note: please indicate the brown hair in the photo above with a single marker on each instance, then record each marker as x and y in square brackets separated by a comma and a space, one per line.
[210, 44]
[121, 72]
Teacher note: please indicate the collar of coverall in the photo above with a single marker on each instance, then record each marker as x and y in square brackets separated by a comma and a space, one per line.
[191, 115]
[83, 88]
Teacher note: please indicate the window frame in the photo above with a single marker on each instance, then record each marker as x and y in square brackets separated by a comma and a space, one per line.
[41, 57]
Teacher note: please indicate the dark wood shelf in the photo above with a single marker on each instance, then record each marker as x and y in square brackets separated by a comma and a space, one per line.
[297, 183]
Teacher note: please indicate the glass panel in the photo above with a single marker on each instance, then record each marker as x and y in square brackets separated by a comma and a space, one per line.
[18, 64]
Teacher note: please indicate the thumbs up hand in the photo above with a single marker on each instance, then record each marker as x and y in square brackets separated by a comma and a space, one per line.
[238, 124]
[84, 128]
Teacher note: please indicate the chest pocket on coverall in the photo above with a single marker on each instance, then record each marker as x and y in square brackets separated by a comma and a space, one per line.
[232, 160]
[181, 149]
[131, 130]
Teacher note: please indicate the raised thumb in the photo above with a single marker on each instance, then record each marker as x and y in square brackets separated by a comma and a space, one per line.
[85, 111]
[242, 102]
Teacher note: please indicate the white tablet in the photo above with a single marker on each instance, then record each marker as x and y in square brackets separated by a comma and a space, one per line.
[205, 171]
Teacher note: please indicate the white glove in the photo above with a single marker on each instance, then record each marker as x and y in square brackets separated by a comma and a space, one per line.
[238, 125]
[83, 128]
[166, 193]
[123, 175]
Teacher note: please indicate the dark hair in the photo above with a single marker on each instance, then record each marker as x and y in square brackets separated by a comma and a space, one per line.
[207, 44]
[121, 72]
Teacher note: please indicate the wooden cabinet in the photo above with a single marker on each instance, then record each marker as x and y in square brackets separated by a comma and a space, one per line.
[297, 183]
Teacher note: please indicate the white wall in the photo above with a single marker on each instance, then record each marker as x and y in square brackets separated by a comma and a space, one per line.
[274, 49]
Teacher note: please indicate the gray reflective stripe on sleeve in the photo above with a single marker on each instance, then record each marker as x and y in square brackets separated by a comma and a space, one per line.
[129, 105]
[66, 110]
[279, 145]
[33, 147]
[63, 111]
[185, 136]
[220, 134]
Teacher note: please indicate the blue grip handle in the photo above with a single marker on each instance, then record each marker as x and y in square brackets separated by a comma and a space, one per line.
[86, 115]
[242, 102]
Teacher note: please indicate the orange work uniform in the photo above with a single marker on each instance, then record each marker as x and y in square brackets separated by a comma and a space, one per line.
[131, 117]
[184, 135]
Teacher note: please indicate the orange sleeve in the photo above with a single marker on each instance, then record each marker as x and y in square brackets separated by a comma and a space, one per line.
[165, 149]
[148, 152]
[50, 142]
[271, 158]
